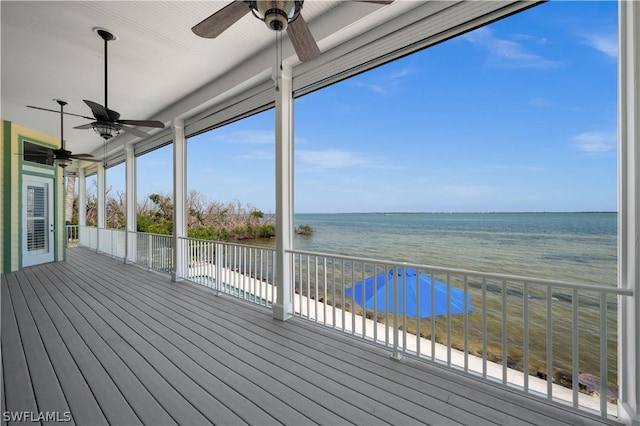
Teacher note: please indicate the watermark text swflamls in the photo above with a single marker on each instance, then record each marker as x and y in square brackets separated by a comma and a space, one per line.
[36, 416]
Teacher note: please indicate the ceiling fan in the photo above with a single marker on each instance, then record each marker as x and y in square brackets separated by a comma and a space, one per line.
[279, 15]
[107, 123]
[61, 156]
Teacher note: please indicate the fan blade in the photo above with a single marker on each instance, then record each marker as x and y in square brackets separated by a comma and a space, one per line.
[85, 126]
[82, 157]
[101, 113]
[376, 1]
[135, 131]
[215, 24]
[58, 112]
[143, 123]
[302, 40]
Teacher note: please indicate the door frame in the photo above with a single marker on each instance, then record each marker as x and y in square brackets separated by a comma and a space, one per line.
[49, 255]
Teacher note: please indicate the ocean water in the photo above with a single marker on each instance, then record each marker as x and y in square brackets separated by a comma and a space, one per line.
[580, 247]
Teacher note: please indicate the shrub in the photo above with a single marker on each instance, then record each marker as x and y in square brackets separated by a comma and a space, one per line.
[304, 230]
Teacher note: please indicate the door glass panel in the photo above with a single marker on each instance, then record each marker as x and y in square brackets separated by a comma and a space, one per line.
[36, 219]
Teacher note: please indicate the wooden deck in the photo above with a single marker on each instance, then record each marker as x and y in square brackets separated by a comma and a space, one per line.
[114, 344]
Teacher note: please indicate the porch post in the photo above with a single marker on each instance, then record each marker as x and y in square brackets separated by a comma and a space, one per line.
[179, 198]
[101, 201]
[629, 211]
[283, 308]
[130, 185]
[82, 198]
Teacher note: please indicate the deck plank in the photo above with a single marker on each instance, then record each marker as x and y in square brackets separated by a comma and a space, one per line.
[77, 392]
[166, 353]
[234, 355]
[328, 372]
[182, 372]
[154, 377]
[18, 392]
[48, 393]
[146, 406]
[99, 384]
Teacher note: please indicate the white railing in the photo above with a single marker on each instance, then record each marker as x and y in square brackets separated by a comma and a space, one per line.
[562, 334]
[72, 235]
[108, 241]
[113, 242]
[241, 271]
[88, 237]
[154, 251]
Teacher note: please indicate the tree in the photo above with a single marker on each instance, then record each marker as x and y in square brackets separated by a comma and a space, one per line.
[69, 198]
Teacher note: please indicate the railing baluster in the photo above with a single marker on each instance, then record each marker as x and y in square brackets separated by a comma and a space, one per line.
[448, 318]
[344, 308]
[375, 303]
[465, 322]
[504, 332]
[396, 306]
[353, 304]
[324, 285]
[604, 374]
[484, 328]
[364, 316]
[575, 348]
[432, 320]
[308, 288]
[549, 342]
[525, 337]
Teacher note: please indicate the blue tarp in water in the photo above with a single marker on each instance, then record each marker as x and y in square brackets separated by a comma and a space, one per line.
[373, 291]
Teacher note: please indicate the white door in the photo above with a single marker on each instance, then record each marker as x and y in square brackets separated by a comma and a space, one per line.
[37, 220]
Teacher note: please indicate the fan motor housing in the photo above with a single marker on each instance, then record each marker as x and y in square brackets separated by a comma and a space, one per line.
[276, 19]
[276, 13]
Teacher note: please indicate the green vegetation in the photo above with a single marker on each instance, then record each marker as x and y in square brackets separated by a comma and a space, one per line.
[304, 230]
[207, 220]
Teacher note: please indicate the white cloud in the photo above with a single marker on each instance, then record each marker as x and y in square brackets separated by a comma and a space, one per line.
[384, 84]
[259, 155]
[376, 88]
[507, 53]
[595, 142]
[248, 137]
[540, 102]
[401, 73]
[336, 159]
[605, 43]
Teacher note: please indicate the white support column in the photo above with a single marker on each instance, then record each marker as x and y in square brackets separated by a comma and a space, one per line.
[179, 198]
[629, 208]
[102, 197]
[130, 185]
[283, 308]
[82, 198]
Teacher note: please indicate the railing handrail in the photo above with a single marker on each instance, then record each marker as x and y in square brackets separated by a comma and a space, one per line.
[150, 233]
[491, 275]
[228, 243]
[100, 229]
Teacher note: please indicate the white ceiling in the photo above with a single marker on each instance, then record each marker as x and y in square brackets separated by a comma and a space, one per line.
[158, 69]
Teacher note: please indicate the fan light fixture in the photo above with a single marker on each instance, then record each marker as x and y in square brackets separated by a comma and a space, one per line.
[277, 14]
[105, 130]
[62, 162]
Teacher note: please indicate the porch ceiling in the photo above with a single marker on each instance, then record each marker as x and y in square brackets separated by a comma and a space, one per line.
[158, 69]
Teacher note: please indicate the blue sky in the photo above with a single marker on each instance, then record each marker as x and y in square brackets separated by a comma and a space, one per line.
[516, 116]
